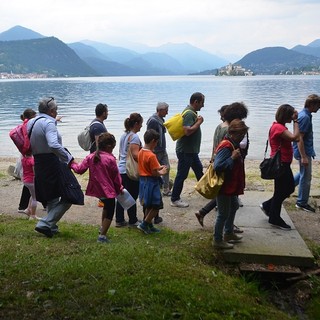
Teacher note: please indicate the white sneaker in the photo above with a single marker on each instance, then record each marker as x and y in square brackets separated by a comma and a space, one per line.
[179, 203]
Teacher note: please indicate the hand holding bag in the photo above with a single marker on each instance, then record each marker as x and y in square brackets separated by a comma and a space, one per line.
[70, 188]
[271, 168]
[210, 183]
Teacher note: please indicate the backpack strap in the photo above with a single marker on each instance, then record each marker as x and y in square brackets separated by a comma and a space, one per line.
[34, 122]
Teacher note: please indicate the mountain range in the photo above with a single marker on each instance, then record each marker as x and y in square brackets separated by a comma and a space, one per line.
[25, 51]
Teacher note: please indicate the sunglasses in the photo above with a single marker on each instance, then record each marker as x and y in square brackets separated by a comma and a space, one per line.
[50, 99]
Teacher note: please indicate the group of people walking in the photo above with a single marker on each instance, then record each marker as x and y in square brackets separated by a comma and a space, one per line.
[108, 176]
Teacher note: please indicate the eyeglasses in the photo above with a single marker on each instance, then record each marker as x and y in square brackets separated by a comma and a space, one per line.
[50, 99]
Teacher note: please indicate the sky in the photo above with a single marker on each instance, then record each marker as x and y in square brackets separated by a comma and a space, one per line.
[222, 27]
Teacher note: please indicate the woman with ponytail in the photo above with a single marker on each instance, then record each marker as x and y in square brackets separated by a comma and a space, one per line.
[129, 140]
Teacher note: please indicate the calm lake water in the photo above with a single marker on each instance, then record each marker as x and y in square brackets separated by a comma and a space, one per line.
[77, 98]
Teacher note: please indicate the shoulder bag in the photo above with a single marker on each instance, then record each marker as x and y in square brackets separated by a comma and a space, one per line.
[131, 164]
[271, 168]
[174, 125]
[210, 183]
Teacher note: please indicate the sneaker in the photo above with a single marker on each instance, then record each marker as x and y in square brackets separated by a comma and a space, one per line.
[134, 225]
[144, 228]
[44, 230]
[236, 229]
[231, 237]
[34, 218]
[103, 239]
[200, 218]
[179, 203]
[21, 210]
[222, 245]
[305, 207]
[281, 225]
[157, 220]
[27, 212]
[264, 210]
[121, 224]
[153, 229]
[167, 193]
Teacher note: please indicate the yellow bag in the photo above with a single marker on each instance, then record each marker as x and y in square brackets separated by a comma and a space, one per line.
[210, 183]
[174, 125]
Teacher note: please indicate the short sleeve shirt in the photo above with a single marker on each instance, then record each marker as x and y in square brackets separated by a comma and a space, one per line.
[147, 162]
[189, 144]
[96, 129]
[275, 141]
[126, 139]
[305, 127]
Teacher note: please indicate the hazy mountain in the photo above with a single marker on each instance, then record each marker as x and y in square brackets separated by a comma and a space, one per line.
[44, 55]
[312, 48]
[117, 54]
[85, 51]
[314, 44]
[19, 33]
[26, 51]
[273, 60]
[313, 51]
[188, 58]
[191, 58]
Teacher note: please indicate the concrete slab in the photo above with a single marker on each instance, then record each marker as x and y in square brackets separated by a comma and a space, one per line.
[263, 243]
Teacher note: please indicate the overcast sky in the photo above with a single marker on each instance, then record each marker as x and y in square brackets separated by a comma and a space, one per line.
[223, 27]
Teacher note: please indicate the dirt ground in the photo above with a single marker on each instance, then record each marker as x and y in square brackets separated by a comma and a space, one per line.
[176, 219]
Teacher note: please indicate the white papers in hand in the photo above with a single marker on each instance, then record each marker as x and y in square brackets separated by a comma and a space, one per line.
[125, 199]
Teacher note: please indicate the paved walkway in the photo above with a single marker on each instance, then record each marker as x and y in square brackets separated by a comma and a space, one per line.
[263, 243]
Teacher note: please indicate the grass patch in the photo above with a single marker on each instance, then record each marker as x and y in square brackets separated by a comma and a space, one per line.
[165, 276]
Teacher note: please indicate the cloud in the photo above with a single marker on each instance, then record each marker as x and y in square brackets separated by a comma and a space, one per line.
[228, 26]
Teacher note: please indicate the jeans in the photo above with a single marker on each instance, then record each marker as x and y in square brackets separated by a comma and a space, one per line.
[133, 187]
[227, 208]
[303, 179]
[283, 187]
[164, 160]
[185, 162]
[55, 209]
[208, 207]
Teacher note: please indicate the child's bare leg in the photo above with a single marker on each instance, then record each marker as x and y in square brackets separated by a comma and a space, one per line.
[150, 214]
[105, 223]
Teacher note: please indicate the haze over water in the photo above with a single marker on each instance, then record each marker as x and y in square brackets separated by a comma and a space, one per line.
[77, 98]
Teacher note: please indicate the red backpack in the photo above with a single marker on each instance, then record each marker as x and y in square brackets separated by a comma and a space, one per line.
[20, 137]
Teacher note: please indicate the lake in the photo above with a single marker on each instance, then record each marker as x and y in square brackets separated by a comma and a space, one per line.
[77, 98]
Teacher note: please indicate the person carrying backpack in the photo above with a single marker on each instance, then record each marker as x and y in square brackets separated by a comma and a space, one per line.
[97, 126]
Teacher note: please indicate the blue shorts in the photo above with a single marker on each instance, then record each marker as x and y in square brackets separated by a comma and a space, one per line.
[149, 192]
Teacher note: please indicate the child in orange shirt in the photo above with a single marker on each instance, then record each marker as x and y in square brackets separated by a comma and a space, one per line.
[149, 189]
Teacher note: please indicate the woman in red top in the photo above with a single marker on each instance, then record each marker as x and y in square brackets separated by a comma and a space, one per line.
[280, 136]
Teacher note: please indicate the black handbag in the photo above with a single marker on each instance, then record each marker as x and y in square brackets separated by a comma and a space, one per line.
[271, 168]
[70, 188]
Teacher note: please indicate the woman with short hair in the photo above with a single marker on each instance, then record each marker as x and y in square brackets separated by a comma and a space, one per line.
[281, 137]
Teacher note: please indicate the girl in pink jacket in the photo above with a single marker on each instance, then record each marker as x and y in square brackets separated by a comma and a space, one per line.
[104, 179]
[27, 162]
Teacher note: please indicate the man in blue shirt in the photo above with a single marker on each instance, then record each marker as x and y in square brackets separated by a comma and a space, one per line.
[304, 152]
[48, 152]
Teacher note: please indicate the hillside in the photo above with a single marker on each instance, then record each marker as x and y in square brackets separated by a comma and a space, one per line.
[19, 33]
[45, 56]
[276, 60]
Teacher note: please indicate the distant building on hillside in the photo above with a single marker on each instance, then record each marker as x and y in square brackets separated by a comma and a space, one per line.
[234, 70]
